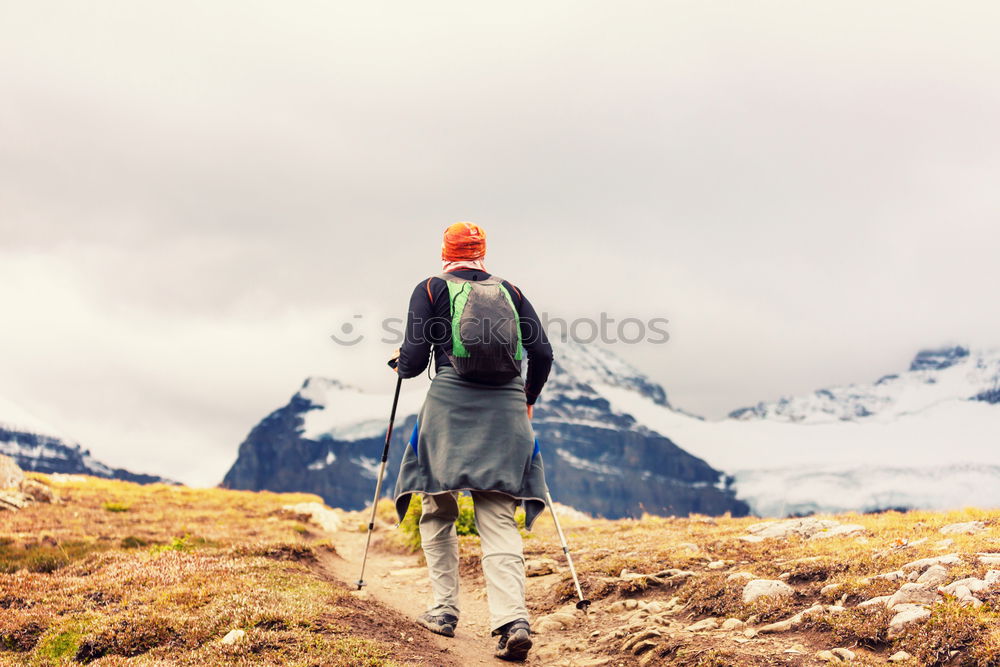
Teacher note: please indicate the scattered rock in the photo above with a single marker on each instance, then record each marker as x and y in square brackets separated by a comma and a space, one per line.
[924, 563]
[536, 567]
[967, 528]
[750, 633]
[703, 625]
[733, 624]
[843, 530]
[543, 626]
[992, 578]
[844, 654]
[737, 576]
[643, 635]
[806, 527]
[882, 599]
[690, 546]
[971, 584]
[900, 656]
[830, 589]
[234, 636]
[895, 575]
[716, 565]
[781, 626]
[911, 614]
[13, 500]
[760, 587]
[11, 474]
[914, 594]
[935, 575]
[827, 656]
[988, 559]
[943, 545]
[40, 493]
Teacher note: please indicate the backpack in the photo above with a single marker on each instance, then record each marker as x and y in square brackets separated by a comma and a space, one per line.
[485, 330]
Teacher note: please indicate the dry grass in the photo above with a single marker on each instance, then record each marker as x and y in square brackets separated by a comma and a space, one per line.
[120, 573]
[146, 575]
[652, 544]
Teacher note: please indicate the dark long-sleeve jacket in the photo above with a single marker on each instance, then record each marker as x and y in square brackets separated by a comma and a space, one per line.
[428, 328]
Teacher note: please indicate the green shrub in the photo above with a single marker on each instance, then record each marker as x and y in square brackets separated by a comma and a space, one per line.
[176, 544]
[59, 645]
[465, 524]
[116, 507]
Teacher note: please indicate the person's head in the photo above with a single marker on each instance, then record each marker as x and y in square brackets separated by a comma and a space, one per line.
[463, 241]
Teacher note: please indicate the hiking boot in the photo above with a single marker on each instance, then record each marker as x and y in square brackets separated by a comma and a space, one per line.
[442, 624]
[515, 641]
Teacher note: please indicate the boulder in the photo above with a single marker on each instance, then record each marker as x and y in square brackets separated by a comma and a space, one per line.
[971, 584]
[37, 491]
[806, 527]
[11, 474]
[733, 624]
[882, 599]
[924, 563]
[759, 588]
[935, 575]
[13, 500]
[234, 636]
[786, 625]
[844, 654]
[914, 594]
[967, 528]
[537, 567]
[904, 617]
[704, 625]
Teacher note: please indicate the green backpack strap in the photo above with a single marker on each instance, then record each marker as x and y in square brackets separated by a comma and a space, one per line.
[458, 295]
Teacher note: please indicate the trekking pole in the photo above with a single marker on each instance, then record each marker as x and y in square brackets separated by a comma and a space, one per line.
[584, 602]
[378, 484]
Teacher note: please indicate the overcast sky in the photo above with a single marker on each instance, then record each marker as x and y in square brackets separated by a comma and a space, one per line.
[194, 195]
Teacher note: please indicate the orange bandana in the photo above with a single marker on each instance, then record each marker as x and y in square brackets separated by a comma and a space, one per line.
[463, 241]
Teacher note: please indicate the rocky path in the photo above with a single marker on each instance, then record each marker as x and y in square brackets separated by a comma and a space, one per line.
[400, 582]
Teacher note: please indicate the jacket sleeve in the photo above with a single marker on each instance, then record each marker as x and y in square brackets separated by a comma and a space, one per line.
[415, 352]
[539, 350]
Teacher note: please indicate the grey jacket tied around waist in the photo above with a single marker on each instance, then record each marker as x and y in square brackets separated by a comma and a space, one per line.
[472, 436]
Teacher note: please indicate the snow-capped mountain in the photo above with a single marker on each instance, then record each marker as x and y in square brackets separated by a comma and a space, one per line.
[328, 440]
[934, 377]
[925, 438]
[38, 446]
[614, 445]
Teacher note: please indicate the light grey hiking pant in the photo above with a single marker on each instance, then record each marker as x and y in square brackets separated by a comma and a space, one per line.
[502, 560]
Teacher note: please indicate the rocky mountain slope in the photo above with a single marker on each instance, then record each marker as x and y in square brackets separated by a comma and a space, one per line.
[35, 445]
[328, 439]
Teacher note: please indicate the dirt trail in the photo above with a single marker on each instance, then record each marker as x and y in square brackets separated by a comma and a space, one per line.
[400, 582]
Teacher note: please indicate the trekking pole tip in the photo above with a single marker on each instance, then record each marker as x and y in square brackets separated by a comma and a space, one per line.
[583, 604]
[361, 583]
